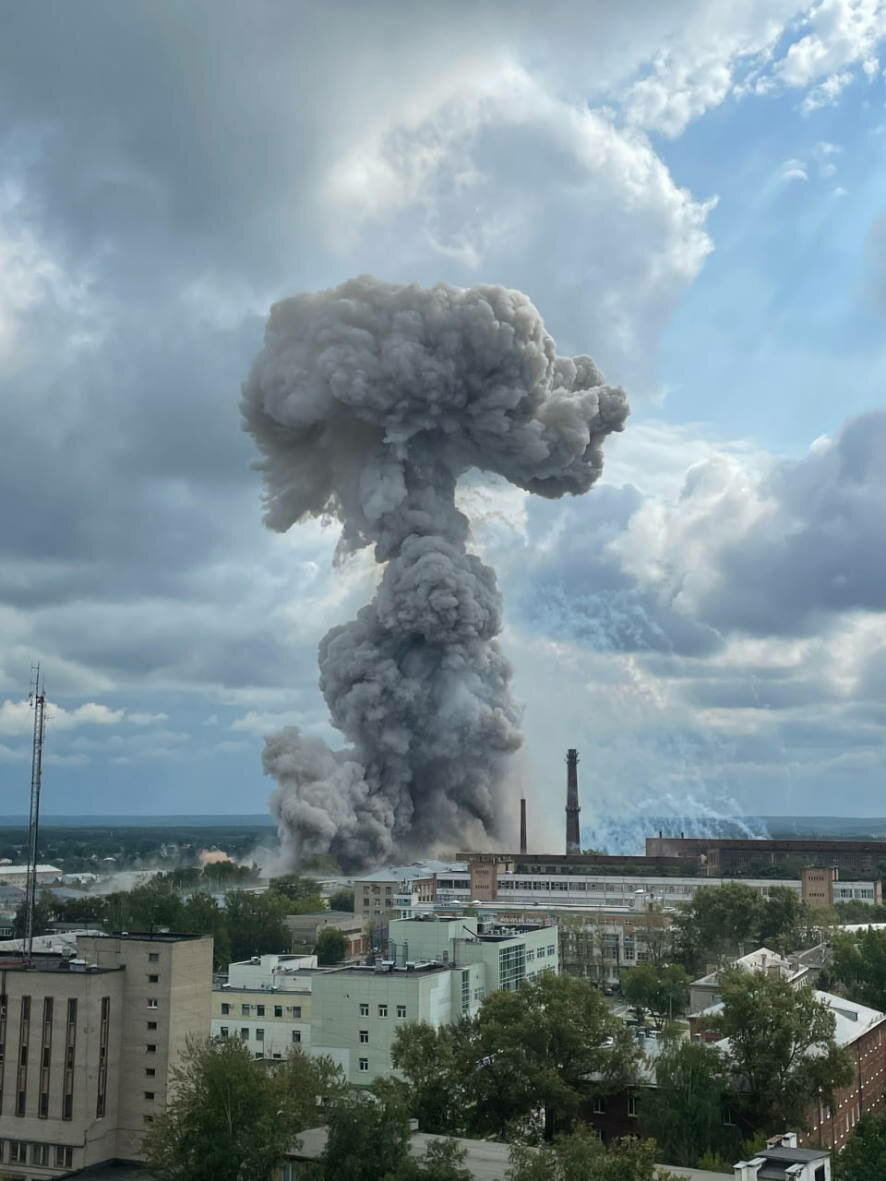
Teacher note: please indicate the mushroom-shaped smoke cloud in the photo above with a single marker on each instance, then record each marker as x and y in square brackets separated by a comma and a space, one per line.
[368, 402]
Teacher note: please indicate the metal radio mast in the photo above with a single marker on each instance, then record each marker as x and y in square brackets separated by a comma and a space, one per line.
[38, 703]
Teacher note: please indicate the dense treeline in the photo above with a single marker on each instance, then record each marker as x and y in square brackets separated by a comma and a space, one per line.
[242, 924]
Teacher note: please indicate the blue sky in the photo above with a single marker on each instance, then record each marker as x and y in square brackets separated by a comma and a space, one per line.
[692, 193]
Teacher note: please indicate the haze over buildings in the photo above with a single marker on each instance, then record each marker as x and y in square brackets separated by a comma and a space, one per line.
[691, 194]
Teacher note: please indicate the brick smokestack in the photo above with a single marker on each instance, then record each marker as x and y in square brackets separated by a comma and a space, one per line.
[522, 826]
[573, 841]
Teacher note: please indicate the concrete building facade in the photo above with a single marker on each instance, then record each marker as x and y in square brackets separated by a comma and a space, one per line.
[89, 1046]
[305, 929]
[266, 1003]
[440, 970]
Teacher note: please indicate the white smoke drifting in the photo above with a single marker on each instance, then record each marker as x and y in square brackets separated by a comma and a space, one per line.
[368, 402]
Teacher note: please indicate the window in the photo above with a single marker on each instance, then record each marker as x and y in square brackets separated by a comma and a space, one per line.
[278, 1010]
[18, 1152]
[382, 1010]
[223, 1032]
[599, 1105]
[244, 1034]
[153, 957]
[152, 1002]
[364, 1009]
[150, 1072]
[512, 967]
[259, 1035]
[152, 1024]
[551, 949]
[363, 1064]
[153, 980]
[244, 1010]
[296, 1012]
[296, 1036]
[401, 1010]
[64, 1156]
[364, 1037]
[632, 1106]
[225, 1009]
[151, 1048]
[39, 1154]
[149, 1095]
[259, 1010]
[148, 1119]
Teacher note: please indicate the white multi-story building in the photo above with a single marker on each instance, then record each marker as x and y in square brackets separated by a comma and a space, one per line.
[440, 969]
[266, 1003]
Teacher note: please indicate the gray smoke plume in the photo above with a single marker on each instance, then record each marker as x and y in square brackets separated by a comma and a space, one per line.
[368, 402]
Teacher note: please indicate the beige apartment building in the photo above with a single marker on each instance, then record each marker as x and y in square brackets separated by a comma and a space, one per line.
[88, 1046]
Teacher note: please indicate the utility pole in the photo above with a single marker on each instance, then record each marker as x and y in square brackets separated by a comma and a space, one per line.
[38, 704]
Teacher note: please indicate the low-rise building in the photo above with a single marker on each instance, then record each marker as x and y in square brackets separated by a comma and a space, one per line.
[439, 970]
[91, 1042]
[374, 892]
[17, 875]
[799, 968]
[862, 1031]
[266, 1003]
[305, 929]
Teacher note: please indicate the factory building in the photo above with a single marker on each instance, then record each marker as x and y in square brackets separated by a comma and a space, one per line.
[439, 970]
[90, 1045]
[722, 855]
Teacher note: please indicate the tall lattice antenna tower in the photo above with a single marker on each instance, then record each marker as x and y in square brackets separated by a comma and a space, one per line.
[38, 704]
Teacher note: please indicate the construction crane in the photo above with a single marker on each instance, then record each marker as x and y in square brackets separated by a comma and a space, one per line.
[38, 704]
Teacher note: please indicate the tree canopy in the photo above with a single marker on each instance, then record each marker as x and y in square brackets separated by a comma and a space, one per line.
[781, 1048]
[721, 920]
[229, 1118]
[661, 989]
[864, 1156]
[581, 1155]
[331, 946]
[684, 1112]
[859, 963]
[535, 1048]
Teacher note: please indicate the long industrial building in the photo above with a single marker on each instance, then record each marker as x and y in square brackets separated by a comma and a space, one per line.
[725, 855]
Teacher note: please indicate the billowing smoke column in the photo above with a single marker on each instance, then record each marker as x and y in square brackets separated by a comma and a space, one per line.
[368, 402]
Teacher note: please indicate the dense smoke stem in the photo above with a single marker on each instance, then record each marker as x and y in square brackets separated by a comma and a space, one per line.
[368, 402]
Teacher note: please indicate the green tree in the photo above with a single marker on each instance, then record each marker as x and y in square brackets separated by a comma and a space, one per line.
[581, 1156]
[538, 1046]
[716, 922]
[859, 963]
[302, 894]
[300, 1082]
[342, 900]
[91, 911]
[44, 913]
[202, 915]
[434, 1083]
[864, 1156]
[661, 989]
[683, 1113]
[331, 946]
[255, 923]
[782, 1048]
[367, 1139]
[785, 920]
[443, 1160]
[223, 1123]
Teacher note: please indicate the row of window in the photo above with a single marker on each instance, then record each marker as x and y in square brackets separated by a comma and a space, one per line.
[23, 1152]
[382, 1010]
[225, 1031]
[44, 1029]
[245, 1010]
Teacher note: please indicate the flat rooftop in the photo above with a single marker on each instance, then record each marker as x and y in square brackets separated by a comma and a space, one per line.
[52, 962]
[420, 969]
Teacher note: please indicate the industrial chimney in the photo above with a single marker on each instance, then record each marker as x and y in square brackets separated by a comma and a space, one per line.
[573, 842]
[522, 826]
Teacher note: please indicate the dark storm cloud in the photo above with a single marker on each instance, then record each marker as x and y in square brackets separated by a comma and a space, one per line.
[818, 549]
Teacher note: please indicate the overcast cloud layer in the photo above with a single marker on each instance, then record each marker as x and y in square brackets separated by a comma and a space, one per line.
[668, 182]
